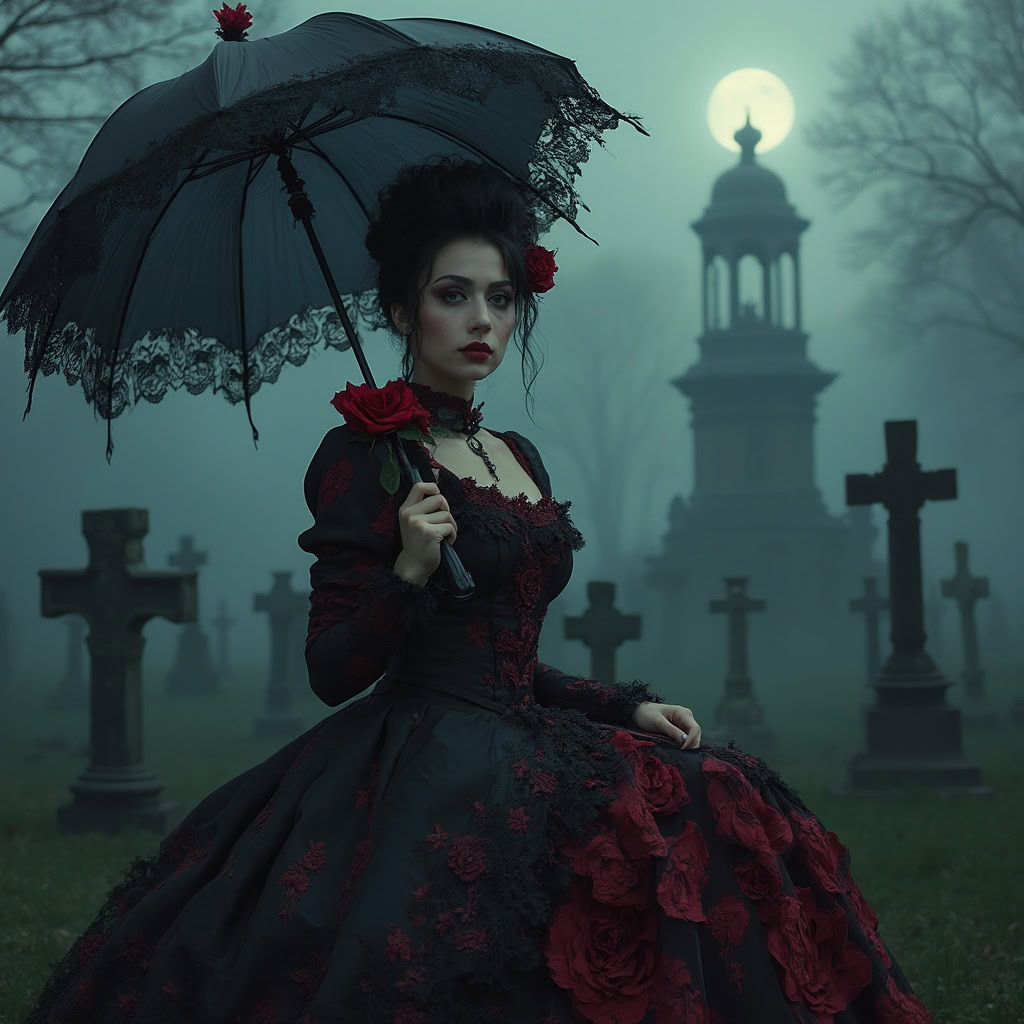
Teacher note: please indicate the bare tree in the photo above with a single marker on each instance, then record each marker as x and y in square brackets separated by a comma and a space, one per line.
[930, 111]
[66, 64]
[615, 408]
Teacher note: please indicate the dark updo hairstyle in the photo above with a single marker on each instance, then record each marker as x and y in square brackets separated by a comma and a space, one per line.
[430, 204]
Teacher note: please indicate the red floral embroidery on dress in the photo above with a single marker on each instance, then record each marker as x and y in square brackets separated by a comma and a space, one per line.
[334, 483]
[478, 631]
[896, 1007]
[685, 875]
[363, 854]
[295, 878]
[674, 996]
[365, 797]
[728, 920]
[604, 956]
[820, 967]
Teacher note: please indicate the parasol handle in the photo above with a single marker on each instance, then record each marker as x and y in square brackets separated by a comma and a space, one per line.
[460, 582]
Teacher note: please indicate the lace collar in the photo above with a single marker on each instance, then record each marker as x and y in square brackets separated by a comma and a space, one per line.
[447, 410]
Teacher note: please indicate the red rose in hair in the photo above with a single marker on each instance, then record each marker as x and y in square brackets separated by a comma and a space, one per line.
[605, 957]
[380, 410]
[540, 268]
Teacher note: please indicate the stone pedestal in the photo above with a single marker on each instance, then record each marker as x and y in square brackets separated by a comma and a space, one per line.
[112, 799]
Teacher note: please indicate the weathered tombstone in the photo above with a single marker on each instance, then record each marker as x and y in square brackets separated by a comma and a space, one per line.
[738, 715]
[280, 605]
[602, 627]
[192, 671]
[935, 614]
[6, 646]
[73, 692]
[913, 735]
[871, 605]
[117, 595]
[298, 674]
[995, 632]
[965, 589]
[222, 624]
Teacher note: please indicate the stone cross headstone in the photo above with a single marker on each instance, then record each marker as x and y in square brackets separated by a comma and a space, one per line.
[965, 590]
[934, 611]
[222, 624]
[602, 627]
[280, 605]
[73, 692]
[739, 715]
[871, 605]
[995, 632]
[913, 734]
[192, 671]
[298, 674]
[117, 595]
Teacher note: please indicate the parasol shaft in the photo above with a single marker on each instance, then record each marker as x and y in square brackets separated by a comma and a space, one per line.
[460, 581]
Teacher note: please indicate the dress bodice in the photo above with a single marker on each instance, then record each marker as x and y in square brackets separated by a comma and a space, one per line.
[366, 622]
[519, 553]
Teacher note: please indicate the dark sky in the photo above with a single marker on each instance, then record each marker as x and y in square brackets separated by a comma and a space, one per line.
[191, 462]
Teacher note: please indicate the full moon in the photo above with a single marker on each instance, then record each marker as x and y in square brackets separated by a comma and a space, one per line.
[764, 94]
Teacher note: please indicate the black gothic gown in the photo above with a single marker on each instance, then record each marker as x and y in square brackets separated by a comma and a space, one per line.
[481, 838]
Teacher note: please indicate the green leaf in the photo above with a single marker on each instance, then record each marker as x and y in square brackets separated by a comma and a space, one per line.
[414, 434]
[390, 477]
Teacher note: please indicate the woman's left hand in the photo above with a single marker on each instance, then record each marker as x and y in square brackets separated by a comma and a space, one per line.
[671, 719]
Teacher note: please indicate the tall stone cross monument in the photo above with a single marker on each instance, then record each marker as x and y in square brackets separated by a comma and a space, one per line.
[965, 589]
[739, 715]
[117, 595]
[913, 735]
[192, 671]
[602, 627]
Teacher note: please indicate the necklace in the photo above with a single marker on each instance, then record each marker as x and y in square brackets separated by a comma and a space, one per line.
[455, 414]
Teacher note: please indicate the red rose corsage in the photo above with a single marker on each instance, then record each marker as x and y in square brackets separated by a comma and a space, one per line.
[540, 268]
[374, 412]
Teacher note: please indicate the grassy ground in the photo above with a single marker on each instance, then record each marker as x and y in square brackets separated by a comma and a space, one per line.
[943, 874]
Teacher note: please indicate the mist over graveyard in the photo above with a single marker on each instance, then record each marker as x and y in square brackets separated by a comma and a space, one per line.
[612, 423]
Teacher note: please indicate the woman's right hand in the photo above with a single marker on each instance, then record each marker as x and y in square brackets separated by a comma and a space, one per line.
[425, 520]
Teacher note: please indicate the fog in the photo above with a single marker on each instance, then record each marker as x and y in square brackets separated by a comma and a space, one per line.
[191, 462]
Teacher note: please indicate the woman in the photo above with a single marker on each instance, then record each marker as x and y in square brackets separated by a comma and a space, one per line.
[482, 837]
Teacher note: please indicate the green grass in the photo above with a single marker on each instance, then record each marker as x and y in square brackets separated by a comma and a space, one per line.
[943, 874]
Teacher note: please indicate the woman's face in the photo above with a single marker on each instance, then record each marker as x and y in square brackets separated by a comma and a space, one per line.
[454, 313]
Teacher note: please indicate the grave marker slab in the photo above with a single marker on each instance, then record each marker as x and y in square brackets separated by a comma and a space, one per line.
[602, 628]
[280, 604]
[738, 714]
[913, 734]
[965, 590]
[117, 595]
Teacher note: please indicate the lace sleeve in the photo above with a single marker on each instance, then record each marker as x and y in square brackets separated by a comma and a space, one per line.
[359, 609]
[611, 703]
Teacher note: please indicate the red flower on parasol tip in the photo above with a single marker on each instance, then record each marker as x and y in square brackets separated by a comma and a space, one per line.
[540, 268]
[233, 23]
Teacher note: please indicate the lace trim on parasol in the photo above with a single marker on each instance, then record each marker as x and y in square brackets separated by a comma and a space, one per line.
[146, 368]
